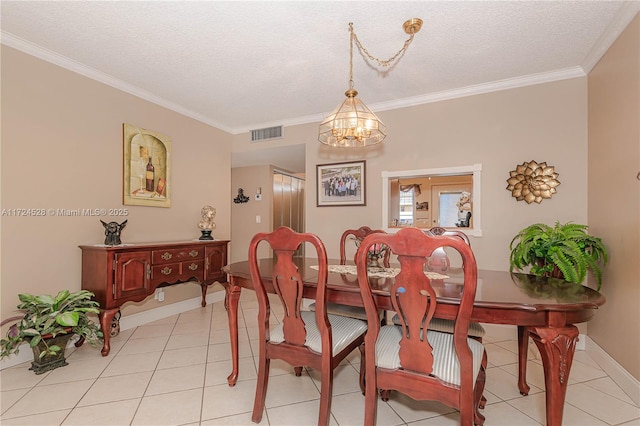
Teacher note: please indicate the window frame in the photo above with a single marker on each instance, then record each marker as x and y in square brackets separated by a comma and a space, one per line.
[475, 170]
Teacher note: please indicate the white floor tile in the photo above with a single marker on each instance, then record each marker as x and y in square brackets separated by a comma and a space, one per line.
[134, 363]
[42, 399]
[117, 388]
[601, 405]
[115, 413]
[51, 418]
[174, 371]
[289, 389]
[10, 397]
[299, 414]
[224, 401]
[503, 414]
[176, 379]
[161, 409]
[183, 357]
[411, 410]
[188, 340]
[144, 345]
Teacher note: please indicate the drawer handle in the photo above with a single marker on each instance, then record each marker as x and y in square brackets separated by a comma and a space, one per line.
[193, 266]
[167, 256]
[193, 253]
[166, 270]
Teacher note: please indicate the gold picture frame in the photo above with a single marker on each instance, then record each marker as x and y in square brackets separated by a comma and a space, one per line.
[147, 167]
[341, 184]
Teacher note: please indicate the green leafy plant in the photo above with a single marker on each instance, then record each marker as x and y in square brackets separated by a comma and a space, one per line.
[46, 316]
[562, 251]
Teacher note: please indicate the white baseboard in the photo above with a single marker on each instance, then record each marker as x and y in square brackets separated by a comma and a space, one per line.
[130, 321]
[629, 384]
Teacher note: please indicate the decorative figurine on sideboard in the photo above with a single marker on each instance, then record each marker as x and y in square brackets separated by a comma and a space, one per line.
[206, 225]
[241, 198]
[112, 231]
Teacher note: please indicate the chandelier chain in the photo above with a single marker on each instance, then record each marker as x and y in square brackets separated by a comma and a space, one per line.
[381, 62]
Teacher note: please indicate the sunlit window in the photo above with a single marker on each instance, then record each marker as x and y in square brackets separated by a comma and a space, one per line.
[406, 207]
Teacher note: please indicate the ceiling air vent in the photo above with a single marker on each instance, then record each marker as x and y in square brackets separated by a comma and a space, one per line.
[267, 133]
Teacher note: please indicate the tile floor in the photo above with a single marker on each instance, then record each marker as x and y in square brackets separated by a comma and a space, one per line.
[173, 372]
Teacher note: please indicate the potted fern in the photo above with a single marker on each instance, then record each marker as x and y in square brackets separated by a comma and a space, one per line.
[563, 251]
[47, 323]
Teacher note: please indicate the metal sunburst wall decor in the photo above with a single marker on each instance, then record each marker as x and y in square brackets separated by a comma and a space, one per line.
[533, 182]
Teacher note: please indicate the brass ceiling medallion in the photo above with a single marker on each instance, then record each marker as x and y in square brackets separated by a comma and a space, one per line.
[352, 123]
[533, 182]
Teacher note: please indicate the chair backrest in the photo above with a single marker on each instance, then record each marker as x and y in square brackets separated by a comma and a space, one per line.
[439, 261]
[288, 284]
[414, 298]
[360, 234]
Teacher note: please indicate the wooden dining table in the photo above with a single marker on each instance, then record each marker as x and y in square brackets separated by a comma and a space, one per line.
[549, 308]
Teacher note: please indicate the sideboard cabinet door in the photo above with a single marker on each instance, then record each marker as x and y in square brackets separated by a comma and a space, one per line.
[216, 258]
[132, 274]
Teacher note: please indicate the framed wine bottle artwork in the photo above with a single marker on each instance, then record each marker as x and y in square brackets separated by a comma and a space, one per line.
[147, 167]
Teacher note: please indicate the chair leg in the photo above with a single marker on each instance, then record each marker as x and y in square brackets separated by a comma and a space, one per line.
[362, 368]
[483, 368]
[370, 402]
[523, 348]
[261, 389]
[478, 390]
[326, 389]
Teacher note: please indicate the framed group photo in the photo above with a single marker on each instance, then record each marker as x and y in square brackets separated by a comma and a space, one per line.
[341, 184]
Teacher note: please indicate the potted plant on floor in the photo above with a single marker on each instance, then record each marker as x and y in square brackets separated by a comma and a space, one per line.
[47, 323]
[563, 251]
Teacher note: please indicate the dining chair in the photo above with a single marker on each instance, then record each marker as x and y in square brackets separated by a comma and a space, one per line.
[302, 338]
[358, 234]
[427, 365]
[345, 310]
[439, 262]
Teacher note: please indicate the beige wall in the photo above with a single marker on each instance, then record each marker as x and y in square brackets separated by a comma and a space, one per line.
[614, 194]
[243, 225]
[500, 130]
[62, 149]
[545, 122]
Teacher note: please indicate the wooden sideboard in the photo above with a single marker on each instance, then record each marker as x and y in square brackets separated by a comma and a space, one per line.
[132, 272]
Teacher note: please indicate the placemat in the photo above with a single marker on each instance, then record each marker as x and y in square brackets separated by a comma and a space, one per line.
[377, 272]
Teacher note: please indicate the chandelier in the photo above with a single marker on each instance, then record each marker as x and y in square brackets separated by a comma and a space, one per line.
[352, 124]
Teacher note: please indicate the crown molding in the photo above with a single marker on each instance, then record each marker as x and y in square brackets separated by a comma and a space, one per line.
[622, 19]
[478, 89]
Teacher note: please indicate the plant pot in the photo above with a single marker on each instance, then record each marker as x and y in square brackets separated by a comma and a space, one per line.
[556, 273]
[50, 362]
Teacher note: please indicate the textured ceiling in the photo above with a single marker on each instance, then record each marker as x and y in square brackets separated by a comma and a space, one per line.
[246, 65]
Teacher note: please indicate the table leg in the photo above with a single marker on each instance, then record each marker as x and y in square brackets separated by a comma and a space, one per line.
[106, 317]
[557, 346]
[523, 352]
[231, 300]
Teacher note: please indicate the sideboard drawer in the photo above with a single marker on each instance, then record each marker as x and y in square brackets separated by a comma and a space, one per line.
[177, 255]
[181, 271]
